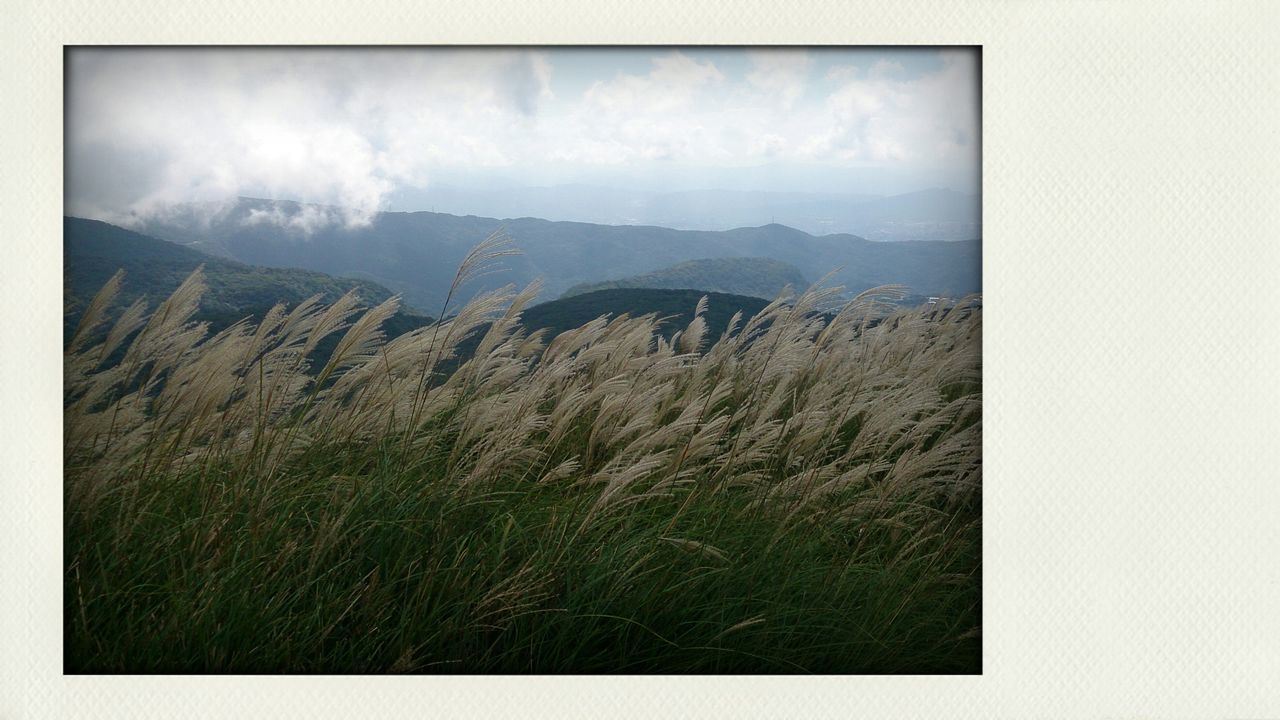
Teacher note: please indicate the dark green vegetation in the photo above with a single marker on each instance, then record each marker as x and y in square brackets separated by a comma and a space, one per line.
[756, 277]
[673, 307]
[364, 558]
[415, 254]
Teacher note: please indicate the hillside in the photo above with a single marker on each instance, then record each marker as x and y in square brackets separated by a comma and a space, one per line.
[675, 305]
[93, 251]
[756, 277]
[416, 254]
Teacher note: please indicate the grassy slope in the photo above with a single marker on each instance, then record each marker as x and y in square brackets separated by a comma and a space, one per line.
[596, 511]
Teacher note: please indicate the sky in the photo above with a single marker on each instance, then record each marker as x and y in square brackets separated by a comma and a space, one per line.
[150, 127]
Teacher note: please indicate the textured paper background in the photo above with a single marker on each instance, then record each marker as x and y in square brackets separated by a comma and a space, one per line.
[1132, 457]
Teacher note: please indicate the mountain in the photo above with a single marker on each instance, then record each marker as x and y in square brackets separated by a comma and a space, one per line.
[93, 251]
[934, 214]
[756, 277]
[416, 254]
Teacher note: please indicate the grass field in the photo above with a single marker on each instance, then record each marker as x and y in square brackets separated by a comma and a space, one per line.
[802, 494]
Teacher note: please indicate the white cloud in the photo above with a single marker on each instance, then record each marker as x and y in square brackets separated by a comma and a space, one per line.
[782, 74]
[673, 85]
[638, 117]
[335, 127]
[151, 127]
[880, 116]
[306, 219]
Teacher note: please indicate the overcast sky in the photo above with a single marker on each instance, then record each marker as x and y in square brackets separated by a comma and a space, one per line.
[350, 127]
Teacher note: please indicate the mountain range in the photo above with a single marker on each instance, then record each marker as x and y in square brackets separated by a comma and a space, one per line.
[93, 251]
[416, 254]
[932, 214]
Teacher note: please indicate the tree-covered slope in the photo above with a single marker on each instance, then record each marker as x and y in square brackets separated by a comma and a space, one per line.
[676, 306]
[756, 277]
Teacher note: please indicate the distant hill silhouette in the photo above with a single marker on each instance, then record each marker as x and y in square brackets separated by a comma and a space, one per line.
[756, 277]
[932, 214]
[675, 307]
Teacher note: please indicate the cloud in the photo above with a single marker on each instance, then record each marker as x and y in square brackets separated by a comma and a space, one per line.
[882, 116]
[336, 127]
[662, 115]
[148, 128]
[781, 74]
[306, 219]
[672, 85]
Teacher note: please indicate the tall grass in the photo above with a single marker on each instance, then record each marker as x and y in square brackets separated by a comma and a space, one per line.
[800, 494]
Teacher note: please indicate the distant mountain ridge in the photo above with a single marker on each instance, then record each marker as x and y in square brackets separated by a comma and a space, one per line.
[930, 214]
[94, 251]
[417, 254]
[751, 276]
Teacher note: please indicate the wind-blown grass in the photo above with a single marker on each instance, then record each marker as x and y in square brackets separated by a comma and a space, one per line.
[800, 494]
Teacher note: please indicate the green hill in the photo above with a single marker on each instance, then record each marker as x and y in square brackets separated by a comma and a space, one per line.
[753, 276]
[675, 305]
